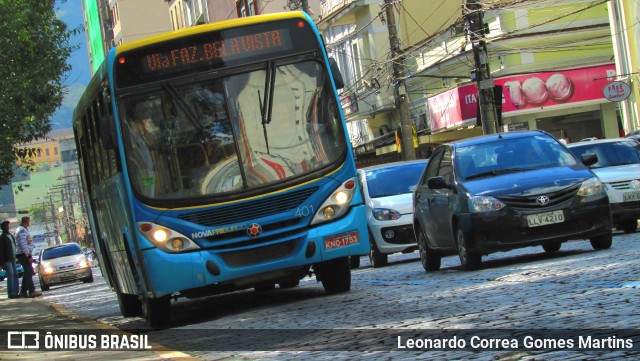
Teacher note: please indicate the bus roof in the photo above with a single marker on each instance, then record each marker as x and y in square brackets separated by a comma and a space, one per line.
[218, 25]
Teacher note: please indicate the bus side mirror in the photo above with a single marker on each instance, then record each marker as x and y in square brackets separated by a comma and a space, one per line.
[337, 76]
[107, 133]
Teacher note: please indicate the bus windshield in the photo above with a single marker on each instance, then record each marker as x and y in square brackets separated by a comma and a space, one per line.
[224, 135]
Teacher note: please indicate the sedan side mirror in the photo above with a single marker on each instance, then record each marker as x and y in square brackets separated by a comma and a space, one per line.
[437, 183]
[589, 159]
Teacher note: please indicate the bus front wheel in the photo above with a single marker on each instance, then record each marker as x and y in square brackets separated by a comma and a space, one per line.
[335, 275]
[157, 311]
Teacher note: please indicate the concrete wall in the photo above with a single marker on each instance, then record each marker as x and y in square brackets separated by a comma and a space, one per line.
[143, 18]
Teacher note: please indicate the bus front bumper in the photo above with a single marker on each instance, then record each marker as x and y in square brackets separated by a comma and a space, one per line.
[274, 260]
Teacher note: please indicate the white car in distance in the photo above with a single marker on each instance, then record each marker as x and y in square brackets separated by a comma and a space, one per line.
[618, 167]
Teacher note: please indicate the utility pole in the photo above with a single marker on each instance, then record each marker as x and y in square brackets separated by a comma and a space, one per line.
[56, 224]
[83, 209]
[65, 217]
[400, 91]
[482, 74]
[72, 219]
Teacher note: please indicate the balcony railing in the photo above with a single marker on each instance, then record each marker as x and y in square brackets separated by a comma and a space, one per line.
[329, 6]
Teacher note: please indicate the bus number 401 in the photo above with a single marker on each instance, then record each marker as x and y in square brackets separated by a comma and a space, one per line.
[304, 211]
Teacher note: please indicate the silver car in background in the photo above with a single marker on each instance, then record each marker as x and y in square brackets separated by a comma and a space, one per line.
[387, 191]
[63, 263]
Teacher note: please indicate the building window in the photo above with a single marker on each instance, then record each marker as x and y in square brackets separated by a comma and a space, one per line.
[246, 8]
[55, 150]
[46, 152]
[115, 16]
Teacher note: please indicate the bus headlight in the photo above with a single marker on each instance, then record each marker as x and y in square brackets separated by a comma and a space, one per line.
[337, 203]
[166, 239]
[160, 235]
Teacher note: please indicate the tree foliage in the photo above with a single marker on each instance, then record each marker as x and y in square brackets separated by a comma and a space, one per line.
[38, 214]
[33, 64]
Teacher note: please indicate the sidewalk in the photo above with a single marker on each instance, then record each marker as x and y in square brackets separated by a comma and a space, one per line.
[38, 314]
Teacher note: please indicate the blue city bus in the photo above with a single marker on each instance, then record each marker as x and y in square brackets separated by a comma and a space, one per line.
[216, 159]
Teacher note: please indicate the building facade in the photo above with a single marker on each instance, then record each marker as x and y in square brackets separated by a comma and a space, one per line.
[357, 37]
[114, 22]
[625, 32]
[553, 59]
[48, 154]
[230, 9]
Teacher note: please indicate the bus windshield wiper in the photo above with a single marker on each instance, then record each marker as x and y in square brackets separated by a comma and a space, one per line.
[266, 103]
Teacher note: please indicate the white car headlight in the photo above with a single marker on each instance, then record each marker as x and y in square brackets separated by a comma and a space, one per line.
[166, 239]
[590, 187]
[337, 203]
[46, 268]
[384, 214]
[479, 204]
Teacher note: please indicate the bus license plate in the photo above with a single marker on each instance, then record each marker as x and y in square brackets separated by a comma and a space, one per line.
[542, 219]
[631, 196]
[341, 240]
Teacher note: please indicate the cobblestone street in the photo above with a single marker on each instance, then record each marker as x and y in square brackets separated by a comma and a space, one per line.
[524, 290]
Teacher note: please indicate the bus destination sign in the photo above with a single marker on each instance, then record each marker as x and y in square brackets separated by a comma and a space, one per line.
[212, 50]
[221, 50]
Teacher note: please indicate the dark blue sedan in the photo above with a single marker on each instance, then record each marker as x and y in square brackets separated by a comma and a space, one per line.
[505, 191]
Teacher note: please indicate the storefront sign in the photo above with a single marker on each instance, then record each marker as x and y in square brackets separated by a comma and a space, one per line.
[349, 104]
[616, 91]
[521, 93]
[518, 126]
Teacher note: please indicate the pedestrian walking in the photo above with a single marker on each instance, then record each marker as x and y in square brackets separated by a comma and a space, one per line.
[24, 254]
[8, 260]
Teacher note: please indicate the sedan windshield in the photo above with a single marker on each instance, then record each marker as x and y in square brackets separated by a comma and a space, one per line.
[610, 153]
[509, 155]
[62, 251]
[394, 180]
[232, 134]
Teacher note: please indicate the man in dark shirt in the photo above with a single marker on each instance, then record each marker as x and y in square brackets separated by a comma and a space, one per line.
[8, 260]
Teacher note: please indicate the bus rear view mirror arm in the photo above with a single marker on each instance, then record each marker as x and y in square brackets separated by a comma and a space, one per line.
[337, 76]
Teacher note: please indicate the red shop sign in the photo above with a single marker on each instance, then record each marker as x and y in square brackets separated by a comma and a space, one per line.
[523, 92]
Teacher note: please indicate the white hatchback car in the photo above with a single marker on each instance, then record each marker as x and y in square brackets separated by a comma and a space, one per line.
[618, 167]
[387, 191]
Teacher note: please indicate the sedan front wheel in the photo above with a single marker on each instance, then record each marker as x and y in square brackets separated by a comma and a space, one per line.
[469, 260]
[551, 247]
[430, 259]
[601, 242]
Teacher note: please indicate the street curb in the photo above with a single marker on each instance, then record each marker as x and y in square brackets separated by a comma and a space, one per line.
[61, 310]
